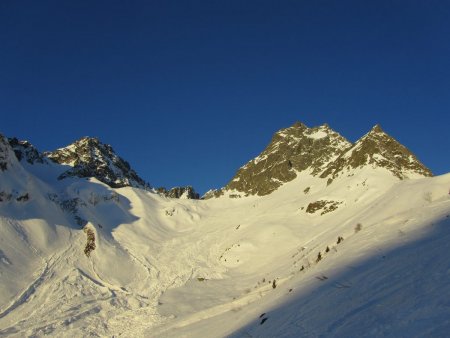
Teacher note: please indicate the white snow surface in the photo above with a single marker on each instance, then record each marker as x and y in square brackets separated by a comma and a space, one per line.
[187, 268]
[318, 134]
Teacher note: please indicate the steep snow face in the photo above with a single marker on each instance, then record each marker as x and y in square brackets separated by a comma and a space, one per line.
[378, 149]
[292, 150]
[91, 158]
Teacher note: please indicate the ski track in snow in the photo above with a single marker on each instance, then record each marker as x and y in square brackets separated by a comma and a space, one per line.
[27, 293]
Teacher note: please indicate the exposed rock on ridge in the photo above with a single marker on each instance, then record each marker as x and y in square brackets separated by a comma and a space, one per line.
[187, 192]
[291, 150]
[5, 153]
[322, 152]
[91, 158]
[25, 151]
[378, 149]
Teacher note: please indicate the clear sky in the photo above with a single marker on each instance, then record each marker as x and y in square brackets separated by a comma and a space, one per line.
[189, 91]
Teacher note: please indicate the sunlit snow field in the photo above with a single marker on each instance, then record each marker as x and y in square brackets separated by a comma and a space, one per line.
[239, 267]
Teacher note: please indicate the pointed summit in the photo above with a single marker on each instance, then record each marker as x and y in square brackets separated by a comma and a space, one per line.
[299, 125]
[378, 149]
[291, 150]
[376, 129]
[89, 157]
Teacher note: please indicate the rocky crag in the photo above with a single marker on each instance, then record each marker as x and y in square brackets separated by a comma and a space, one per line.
[88, 157]
[321, 152]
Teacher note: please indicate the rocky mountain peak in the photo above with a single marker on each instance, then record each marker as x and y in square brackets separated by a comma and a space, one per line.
[376, 129]
[298, 125]
[25, 151]
[89, 157]
[378, 149]
[291, 150]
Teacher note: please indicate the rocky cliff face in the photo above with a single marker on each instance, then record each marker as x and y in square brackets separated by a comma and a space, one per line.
[25, 151]
[187, 192]
[88, 157]
[5, 153]
[291, 150]
[322, 152]
[378, 149]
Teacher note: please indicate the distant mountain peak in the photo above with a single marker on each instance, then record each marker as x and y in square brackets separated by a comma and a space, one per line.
[376, 129]
[322, 152]
[378, 149]
[89, 157]
[298, 125]
[291, 150]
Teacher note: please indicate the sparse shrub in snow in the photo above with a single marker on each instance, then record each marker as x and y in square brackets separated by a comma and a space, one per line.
[93, 199]
[90, 242]
[319, 257]
[428, 196]
[170, 212]
[23, 198]
[358, 228]
[5, 196]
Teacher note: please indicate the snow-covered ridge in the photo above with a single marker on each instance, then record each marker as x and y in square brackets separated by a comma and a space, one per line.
[89, 157]
[322, 152]
[291, 150]
[378, 149]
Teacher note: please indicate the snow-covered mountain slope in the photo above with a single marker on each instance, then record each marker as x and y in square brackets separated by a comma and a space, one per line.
[363, 256]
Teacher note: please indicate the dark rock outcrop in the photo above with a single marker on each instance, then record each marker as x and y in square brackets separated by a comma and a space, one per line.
[88, 157]
[291, 150]
[378, 149]
[187, 192]
[7, 157]
[321, 152]
[25, 151]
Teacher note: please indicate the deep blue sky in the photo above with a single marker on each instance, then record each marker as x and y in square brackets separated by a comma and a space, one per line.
[188, 91]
